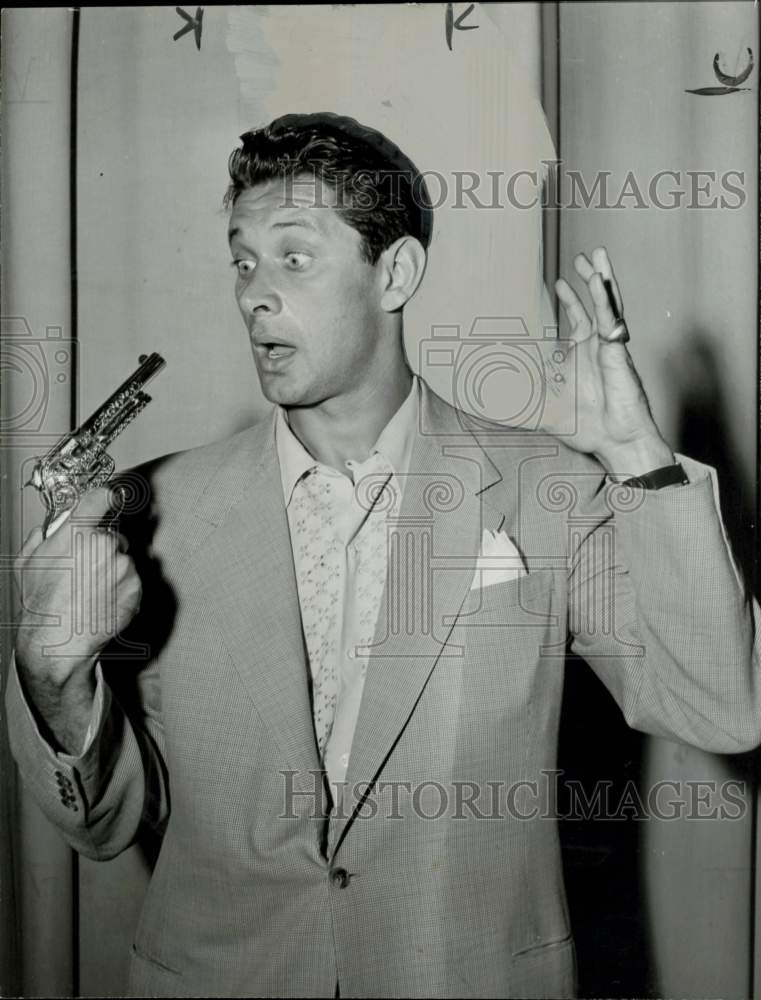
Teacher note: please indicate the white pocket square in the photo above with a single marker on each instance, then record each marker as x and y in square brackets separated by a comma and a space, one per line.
[498, 561]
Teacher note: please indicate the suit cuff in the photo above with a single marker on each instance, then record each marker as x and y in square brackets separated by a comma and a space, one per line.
[691, 509]
[72, 775]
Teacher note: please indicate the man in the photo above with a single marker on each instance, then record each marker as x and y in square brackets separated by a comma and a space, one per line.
[353, 622]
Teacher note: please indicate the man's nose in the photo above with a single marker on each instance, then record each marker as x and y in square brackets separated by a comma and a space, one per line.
[259, 294]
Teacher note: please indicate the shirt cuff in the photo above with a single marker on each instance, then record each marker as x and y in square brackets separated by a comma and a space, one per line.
[96, 720]
[100, 707]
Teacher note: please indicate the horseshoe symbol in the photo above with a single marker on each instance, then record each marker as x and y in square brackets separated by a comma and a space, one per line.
[732, 81]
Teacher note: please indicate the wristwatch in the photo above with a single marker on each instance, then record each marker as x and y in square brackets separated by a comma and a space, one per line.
[667, 475]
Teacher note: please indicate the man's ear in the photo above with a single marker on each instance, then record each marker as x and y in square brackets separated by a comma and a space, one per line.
[401, 268]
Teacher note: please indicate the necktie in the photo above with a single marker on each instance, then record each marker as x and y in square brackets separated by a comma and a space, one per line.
[319, 560]
[329, 514]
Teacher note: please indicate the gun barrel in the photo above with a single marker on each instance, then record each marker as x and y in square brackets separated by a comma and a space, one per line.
[150, 366]
[114, 423]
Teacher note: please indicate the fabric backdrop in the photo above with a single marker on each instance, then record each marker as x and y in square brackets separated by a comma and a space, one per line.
[121, 250]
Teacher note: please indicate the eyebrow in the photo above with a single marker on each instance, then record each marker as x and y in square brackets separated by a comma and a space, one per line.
[301, 221]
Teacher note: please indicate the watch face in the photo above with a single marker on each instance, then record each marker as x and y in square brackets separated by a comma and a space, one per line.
[669, 475]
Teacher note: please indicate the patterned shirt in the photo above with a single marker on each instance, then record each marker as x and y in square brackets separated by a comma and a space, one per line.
[337, 523]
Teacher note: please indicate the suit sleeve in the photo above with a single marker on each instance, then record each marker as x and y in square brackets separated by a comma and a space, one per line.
[118, 786]
[99, 799]
[658, 609]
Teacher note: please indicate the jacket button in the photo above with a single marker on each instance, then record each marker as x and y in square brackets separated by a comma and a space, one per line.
[339, 877]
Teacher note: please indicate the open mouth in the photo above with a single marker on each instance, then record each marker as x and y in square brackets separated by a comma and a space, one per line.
[274, 351]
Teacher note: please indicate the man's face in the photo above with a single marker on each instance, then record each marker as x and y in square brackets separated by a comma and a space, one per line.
[309, 300]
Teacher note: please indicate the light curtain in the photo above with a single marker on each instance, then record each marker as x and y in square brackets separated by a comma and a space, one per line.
[156, 120]
[689, 278]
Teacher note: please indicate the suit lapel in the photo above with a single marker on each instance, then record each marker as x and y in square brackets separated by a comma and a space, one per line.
[433, 548]
[245, 559]
[248, 568]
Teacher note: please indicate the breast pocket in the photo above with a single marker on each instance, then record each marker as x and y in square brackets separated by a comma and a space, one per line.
[503, 632]
[523, 602]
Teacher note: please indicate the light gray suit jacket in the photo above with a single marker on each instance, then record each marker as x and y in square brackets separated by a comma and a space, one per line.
[446, 878]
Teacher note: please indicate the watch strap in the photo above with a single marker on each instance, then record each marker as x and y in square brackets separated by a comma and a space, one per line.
[667, 475]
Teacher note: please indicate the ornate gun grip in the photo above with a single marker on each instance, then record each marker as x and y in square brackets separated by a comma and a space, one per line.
[79, 462]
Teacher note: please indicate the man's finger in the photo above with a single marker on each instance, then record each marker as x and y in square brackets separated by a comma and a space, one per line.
[32, 540]
[600, 264]
[583, 266]
[581, 326]
[92, 507]
[97, 508]
[603, 266]
[605, 314]
[122, 542]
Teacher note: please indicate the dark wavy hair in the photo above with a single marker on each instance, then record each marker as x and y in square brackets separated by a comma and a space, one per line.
[380, 192]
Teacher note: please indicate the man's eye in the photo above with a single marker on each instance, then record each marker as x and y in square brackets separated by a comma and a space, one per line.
[244, 267]
[297, 261]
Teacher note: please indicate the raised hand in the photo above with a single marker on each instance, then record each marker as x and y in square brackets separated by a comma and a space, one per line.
[612, 419]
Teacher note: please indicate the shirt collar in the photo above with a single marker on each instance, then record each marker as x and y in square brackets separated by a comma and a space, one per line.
[394, 443]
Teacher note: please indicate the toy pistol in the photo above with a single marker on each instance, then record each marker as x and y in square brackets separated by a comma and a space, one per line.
[79, 462]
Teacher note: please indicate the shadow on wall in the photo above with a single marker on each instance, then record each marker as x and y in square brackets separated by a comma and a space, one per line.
[703, 433]
[602, 859]
[598, 751]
